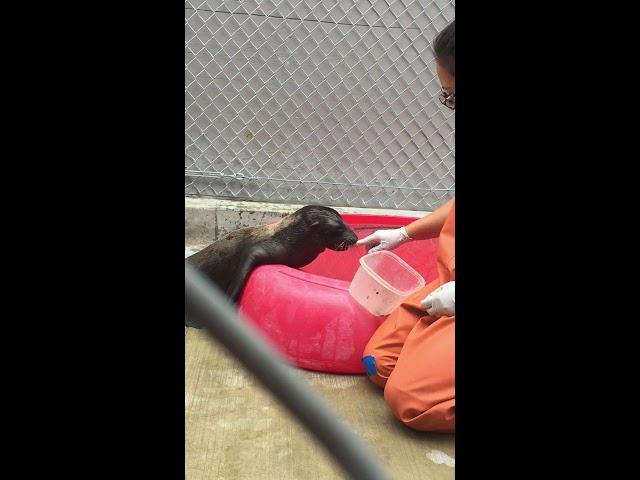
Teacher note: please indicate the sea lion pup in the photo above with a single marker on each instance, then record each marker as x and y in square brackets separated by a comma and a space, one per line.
[295, 241]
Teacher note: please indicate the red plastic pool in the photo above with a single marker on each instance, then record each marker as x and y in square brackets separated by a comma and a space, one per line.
[308, 314]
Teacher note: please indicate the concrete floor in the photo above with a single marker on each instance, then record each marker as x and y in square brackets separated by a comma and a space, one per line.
[237, 430]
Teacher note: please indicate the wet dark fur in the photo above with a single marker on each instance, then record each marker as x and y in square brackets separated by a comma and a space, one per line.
[295, 241]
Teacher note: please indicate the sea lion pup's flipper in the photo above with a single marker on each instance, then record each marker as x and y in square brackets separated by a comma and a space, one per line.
[252, 258]
[248, 263]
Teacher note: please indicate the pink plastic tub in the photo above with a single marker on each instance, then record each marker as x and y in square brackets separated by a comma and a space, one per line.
[308, 314]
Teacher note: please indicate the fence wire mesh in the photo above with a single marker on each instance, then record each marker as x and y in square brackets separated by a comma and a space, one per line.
[317, 101]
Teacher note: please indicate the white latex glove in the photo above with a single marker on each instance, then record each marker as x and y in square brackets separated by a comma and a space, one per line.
[442, 301]
[384, 240]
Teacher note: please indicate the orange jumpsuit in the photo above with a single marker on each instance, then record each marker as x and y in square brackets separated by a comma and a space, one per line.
[412, 354]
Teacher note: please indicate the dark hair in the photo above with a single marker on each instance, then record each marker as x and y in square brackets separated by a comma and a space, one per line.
[445, 48]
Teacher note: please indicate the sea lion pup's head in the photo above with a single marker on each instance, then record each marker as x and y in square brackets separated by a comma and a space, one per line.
[326, 225]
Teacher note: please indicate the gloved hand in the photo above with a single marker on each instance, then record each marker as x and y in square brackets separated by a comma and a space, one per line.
[384, 240]
[442, 301]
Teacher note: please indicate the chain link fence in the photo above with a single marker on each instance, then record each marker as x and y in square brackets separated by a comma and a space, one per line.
[317, 101]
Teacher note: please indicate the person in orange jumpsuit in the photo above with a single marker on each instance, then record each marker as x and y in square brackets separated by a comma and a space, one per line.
[412, 353]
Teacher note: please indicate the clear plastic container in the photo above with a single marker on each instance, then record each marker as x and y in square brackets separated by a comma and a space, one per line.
[383, 281]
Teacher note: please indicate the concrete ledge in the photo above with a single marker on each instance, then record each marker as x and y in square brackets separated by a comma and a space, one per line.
[207, 219]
